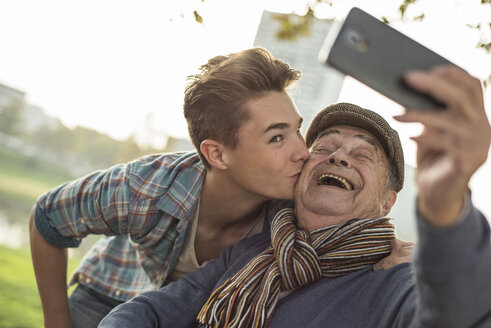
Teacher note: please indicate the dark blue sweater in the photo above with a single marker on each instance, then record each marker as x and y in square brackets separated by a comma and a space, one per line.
[447, 285]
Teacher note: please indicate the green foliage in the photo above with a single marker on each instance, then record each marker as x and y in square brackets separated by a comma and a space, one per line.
[24, 178]
[54, 139]
[404, 5]
[88, 146]
[485, 45]
[11, 118]
[487, 82]
[419, 18]
[293, 27]
[20, 306]
[198, 17]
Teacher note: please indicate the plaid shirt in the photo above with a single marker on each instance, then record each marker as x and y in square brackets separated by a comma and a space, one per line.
[144, 205]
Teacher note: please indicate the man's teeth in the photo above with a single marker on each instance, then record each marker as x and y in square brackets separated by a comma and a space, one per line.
[330, 179]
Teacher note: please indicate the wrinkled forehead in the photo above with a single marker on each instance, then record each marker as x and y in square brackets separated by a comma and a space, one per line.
[348, 131]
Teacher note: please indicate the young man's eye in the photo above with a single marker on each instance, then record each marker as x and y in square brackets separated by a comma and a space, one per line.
[277, 138]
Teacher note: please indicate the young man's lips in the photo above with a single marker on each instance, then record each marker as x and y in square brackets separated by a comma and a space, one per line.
[295, 176]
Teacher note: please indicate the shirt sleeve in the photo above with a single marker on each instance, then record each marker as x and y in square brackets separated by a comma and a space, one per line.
[175, 305]
[452, 272]
[97, 203]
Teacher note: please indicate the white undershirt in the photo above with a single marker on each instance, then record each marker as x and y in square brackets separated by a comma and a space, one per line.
[187, 261]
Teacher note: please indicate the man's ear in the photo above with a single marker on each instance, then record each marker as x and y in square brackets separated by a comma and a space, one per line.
[213, 152]
[390, 199]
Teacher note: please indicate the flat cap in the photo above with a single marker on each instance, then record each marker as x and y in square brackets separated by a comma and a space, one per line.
[349, 114]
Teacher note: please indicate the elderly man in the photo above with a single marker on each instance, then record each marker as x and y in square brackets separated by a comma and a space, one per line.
[314, 270]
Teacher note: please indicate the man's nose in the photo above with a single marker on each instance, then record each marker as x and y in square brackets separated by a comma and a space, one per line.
[339, 158]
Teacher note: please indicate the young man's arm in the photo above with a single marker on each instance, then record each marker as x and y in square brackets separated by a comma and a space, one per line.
[50, 265]
[60, 219]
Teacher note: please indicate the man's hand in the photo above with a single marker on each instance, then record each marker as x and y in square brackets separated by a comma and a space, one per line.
[454, 142]
[402, 252]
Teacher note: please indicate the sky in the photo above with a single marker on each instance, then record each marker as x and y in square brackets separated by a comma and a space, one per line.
[118, 65]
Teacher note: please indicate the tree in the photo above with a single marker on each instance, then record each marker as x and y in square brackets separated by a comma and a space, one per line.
[293, 26]
[11, 118]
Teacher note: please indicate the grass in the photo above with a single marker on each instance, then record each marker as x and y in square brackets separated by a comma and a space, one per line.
[22, 180]
[20, 306]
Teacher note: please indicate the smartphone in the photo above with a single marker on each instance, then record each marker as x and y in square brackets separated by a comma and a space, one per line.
[378, 55]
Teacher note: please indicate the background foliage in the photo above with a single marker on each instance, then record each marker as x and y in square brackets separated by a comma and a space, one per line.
[32, 163]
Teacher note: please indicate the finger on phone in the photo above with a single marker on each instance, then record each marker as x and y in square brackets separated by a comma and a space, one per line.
[452, 86]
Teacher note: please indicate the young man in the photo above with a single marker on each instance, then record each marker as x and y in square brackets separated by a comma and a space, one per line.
[313, 269]
[169, 214]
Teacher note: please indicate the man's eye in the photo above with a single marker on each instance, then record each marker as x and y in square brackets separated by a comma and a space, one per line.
[277, 138]
[364, 156]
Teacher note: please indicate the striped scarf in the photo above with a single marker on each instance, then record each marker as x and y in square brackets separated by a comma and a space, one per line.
[294, 259]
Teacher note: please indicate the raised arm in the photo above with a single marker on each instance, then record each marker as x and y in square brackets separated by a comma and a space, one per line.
[453, 257]
[453, 145]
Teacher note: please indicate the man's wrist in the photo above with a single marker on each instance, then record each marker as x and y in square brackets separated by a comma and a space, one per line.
[448, 215]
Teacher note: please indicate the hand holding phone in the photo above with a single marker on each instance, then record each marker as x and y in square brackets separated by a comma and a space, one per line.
[379, 56]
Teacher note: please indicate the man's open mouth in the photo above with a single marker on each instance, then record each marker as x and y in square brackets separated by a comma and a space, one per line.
[328, 179]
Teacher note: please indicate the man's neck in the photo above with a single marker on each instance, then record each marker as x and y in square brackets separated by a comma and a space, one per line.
[311, 221]
[226, 215]
[224, 205]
